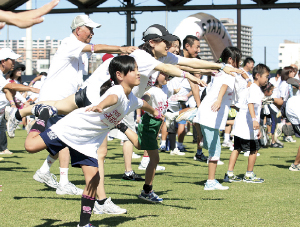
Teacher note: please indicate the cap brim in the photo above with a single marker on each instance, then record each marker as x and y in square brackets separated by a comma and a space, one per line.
[169, 37]
[93, 25]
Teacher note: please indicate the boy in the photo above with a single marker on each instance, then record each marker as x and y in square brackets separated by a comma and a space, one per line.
[246, 127]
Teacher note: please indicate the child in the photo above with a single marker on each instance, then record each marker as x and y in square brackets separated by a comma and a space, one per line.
[157, 97]
[213, 111]
[84, 138]
[246, 127]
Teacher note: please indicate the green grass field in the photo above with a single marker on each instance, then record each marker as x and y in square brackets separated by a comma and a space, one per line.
[25, 202]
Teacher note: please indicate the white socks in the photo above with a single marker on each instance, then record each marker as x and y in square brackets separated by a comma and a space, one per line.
[226, 136]
[63, 180]
[47, 164]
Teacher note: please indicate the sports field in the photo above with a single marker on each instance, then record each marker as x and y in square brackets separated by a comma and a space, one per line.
[25, 202]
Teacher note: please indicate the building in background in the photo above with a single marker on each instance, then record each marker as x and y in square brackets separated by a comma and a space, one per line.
[246, 41]
[289, 53]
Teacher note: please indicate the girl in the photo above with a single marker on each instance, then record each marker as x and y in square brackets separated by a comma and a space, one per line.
[84, 138]
[157, 97]
[213, 111]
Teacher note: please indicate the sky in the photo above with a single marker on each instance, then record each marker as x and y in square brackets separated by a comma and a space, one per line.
[270, 27]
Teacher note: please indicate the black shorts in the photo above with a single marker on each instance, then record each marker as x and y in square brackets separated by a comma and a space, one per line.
[246, 145]
[81, 99]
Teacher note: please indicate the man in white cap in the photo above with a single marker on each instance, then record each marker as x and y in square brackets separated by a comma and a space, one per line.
[64, 78]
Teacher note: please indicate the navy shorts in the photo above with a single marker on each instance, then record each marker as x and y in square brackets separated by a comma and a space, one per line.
[54, 145]
[52, 120]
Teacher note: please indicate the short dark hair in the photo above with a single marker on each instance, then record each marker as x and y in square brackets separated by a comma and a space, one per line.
[285, 72]
[231, 52]
[190, 39]
[278, 72]
[248, 60]
[260, 69]
[43, 74]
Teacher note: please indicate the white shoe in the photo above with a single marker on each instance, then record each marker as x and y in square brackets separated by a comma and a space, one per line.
[290, 139]
[12, 122]
[188, 115]
[135, 156]
[169, 118]
[143, 166]
[247, 153]
[176, 151]
[231, 148]
[189, 134]
[68, 189]
[219, 163]
[110, 138]
[215, 186]
[46, 178]
[227, 143]
[108, 208]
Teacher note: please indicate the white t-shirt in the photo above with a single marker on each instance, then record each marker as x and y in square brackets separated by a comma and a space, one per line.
[158, 99]
[276, 92]
[85, 131]
[185, 88]
[66, 70]
[293, 110]
[146, 64]
[3, 101]
[217, 120]
[243, 125]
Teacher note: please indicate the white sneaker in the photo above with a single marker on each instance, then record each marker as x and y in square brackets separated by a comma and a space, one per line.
[176, 151]
[247, 153]
[215, 186]
[47, 178]
[227, 143]
[135, 156]
[219, 163]
[143, 166]
[189, 133]
[231, 148]
[188, 115]
[290, 139]
[278, 131]
[169, 118]
[108, 208]
[68, 189]
[12, 122]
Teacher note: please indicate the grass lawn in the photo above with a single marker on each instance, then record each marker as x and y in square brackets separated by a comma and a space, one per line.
[25, 202]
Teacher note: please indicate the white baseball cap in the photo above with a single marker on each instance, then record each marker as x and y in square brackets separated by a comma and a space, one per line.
[8, 53]
[84, 20]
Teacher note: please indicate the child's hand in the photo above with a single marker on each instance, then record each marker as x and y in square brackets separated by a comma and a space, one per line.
[138, 119]
[176, 91]
[258, 134]
[255, 125]
[158, 115]
[232, 71]
[94, 109]
[216, 106]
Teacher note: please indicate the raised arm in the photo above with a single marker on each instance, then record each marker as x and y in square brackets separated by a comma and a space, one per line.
[103, 48]
[28, 18]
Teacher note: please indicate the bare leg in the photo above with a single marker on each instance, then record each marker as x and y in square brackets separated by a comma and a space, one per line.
[164, 131]
[212, 167]
[151, 168]
[63, 106]
[232, 160]
[92, 177]
[181, 132]
[102, 152]
[34, 143]
[127, 152]
[297, 160]
[64, 158]
[251, 161]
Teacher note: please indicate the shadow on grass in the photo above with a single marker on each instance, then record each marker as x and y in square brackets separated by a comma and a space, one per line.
[42, 197]
[281, 166]
[109, 221]
[18, 151]
[13, 169]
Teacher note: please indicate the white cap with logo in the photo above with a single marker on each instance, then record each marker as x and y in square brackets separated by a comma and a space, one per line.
[83, 20]
[8, 53]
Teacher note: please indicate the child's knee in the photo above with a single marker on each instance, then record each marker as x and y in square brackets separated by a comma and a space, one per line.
[29, 147]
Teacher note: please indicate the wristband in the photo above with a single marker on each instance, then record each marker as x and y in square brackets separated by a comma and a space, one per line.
[248, 80]
[12, 102]
[223, 66]
[32, 81]
[183, 74]
[138, 115]
[158, 116]
[93, 48]
[254, 119]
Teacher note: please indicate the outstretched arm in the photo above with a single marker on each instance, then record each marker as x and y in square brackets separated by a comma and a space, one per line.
[107, 102]
[102, 48]
[20, 87]
[28, 18]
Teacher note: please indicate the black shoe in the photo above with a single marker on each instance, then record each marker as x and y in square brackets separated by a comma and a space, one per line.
[133, 177]
[201, 157]
[276, 145]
